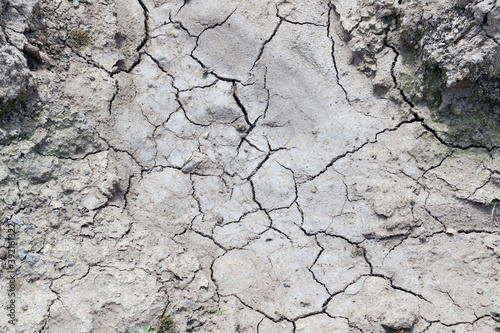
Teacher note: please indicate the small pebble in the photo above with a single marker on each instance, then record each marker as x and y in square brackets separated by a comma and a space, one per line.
[3, 253]
[241, 128]
[479, 291]
[54, 224]
[21, 255]
[17, 220]
[32, 258]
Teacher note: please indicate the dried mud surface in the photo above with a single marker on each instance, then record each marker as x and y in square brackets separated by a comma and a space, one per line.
[249, 166]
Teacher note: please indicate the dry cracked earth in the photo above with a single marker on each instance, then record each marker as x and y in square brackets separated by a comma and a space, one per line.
[241, 166]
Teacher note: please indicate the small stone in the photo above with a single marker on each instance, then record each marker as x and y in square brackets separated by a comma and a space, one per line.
[241, 128]
[190, 166]
[3, 253]
[17, 220]
[54, 223]
[385, 12]
[71, 264]
[21, 255]
[32, 258]
[452, 232]
[189, 304]
[91, 202]
[38, 283]
[480, 292]
[4, 172]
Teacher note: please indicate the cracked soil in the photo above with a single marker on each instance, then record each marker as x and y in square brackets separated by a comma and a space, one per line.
[250, 166]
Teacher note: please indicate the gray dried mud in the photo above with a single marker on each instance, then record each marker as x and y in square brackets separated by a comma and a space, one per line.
[250, 166]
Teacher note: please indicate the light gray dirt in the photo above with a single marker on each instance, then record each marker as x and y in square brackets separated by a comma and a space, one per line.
[250, 166]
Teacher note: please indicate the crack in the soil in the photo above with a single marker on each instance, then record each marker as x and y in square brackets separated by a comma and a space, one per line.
[219, 24]
[146, 26]
[430, 322]
[284, 18]
[393, 74]
[356, 149]
[481, 186]
[328, 32]
[267, 41]
[485, 21]
[258, 310]
[449, 154]
[46, 319]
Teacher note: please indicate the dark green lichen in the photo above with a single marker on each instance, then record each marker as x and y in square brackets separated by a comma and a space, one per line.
[469, 109]
[79, 38]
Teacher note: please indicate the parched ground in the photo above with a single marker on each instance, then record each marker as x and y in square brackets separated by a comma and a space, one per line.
[239, 166]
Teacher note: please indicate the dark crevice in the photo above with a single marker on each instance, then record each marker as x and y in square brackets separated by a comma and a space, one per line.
[120, 150]
[245, 115]
[180, 25]
[481, 186]
[239, 219]
[314, 276]
[115, 93]
[242, 108]
[333, 54]
[216, 25]
[146, 26]
[89, 61]
[284, 18]
[267, 41]
[257, 310]
[456, 323]
[477, 231]
[393, 74]
[211, 238]
[449, 144]
[356, 149]
[438, 165]
[212, 72]
[393, 286]
[46, 320]
[485, 21]
[258, 168]
[70, 157]
[198, 87]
